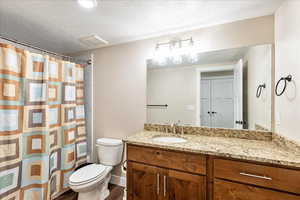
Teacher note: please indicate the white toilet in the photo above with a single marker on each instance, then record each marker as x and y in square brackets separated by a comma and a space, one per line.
[91, 181]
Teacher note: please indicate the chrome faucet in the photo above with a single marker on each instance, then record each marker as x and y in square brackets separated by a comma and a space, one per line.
[166, 127]
[182, 130]
[174, 125]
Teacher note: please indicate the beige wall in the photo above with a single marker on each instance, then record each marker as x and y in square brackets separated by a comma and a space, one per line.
[120, 72]
[259, 67]
[177, 87]
[287, 48]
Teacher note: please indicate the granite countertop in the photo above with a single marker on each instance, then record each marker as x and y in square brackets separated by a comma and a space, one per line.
[253, 150]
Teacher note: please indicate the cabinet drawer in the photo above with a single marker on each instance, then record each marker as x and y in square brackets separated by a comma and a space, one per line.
[169, 159]
[225, 190]
[265, 176]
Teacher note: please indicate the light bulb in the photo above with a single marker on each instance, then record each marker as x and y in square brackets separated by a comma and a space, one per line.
[177, 59]
[193, 57]
[161, 55]
[88, 3]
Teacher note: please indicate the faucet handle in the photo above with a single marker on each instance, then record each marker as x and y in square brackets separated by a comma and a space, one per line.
[182, 130]
[173, 127]
[166, 127]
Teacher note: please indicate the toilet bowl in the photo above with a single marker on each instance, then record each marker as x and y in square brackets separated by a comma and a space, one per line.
[91, 181]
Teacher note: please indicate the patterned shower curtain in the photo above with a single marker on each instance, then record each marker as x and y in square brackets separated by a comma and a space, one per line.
[42, 124]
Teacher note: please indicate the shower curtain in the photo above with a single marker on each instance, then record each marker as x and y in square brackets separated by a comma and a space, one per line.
[42, 124]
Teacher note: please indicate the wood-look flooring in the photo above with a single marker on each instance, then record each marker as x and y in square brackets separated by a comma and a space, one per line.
[116, 193]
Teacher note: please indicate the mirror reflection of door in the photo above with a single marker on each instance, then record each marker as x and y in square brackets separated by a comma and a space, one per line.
[197, 100]
[238, 95]
[205, 103]
[217, 100]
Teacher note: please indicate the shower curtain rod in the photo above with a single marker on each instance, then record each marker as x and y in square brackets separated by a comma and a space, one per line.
[45, 51]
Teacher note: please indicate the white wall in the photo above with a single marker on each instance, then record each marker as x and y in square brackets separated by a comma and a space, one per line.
[259, 66]
[120, 90]
[287, 61]
[175, 87]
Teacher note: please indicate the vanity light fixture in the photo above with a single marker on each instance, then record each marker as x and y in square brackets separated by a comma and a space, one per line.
[88, 3]
[175, 52]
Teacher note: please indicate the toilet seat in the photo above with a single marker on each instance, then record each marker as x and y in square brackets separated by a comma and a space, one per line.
[91, 181]
[88, 174]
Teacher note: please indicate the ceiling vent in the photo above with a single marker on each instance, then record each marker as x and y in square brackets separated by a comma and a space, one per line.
[93, 41]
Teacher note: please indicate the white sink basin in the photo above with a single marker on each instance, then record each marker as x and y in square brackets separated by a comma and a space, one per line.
[169, 139]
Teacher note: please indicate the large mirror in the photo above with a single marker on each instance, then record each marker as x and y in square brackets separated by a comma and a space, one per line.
[229, 88]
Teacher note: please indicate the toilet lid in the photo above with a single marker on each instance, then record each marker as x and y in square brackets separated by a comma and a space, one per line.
[109, 142]
[87, 173]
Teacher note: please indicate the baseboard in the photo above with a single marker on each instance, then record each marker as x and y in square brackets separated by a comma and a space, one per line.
[118, 180]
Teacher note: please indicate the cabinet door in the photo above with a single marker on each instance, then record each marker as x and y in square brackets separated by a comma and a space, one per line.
[183, 186]
[143, 182]
[225, 190]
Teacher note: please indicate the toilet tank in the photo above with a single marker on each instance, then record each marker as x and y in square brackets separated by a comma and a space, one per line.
[109, 151]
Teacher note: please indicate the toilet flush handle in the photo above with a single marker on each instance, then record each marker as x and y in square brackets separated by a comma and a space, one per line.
[124, 165]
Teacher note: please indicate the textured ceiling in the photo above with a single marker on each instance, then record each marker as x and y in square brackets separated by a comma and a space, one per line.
[58, 24]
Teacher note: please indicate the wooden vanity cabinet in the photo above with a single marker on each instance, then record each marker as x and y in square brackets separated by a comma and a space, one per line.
[227, 190]
[158, 174]
[183, 186]
[236, 180]
[182, 161]
[143, 182]
[148, 179]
